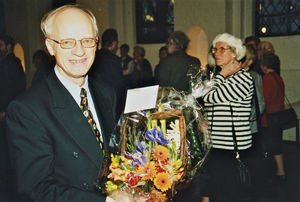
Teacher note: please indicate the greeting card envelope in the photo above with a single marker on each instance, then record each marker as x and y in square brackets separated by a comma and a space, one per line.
[141, 98]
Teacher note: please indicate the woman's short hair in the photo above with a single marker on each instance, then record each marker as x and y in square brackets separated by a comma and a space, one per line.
[271, 61]
[179, 39]
[47, 20]
[238, 48]
[140, 50]
[266, 46]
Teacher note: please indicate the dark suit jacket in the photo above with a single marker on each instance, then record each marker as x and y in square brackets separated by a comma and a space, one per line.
[173, 70]
[53, 149]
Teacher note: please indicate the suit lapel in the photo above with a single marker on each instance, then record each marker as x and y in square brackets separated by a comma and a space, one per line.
[69, 114]
[103, 109]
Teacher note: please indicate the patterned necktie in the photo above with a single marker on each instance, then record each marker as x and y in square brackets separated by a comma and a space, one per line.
[88, 114]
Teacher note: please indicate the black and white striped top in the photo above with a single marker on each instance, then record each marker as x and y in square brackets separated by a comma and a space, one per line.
[235, 90]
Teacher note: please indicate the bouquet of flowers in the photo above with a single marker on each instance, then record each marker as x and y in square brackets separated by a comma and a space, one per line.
[159, 150]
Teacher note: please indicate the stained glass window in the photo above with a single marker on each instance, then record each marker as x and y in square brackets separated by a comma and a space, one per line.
[154, 20]
[277, 17]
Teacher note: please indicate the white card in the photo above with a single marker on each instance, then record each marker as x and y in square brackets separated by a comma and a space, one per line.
[141, 98]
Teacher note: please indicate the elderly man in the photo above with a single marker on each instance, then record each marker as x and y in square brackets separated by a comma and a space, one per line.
[173, 68]
[58, 130]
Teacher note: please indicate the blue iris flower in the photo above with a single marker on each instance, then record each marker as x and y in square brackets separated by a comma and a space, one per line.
[139, 156]
[156, 136]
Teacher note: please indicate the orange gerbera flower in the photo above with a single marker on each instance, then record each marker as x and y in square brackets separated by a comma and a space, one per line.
[147, 171]
[161, 153]
[162, 181]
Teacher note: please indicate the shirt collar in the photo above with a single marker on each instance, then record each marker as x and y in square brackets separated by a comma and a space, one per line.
[73, 88]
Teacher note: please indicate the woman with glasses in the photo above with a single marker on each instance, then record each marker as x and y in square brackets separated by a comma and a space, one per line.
[228, 107]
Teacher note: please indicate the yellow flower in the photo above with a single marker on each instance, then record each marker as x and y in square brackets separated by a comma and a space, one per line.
[162, 181]
[110, 186]
[161, 153]
[177, 164]
[147, 171]
[115, 160]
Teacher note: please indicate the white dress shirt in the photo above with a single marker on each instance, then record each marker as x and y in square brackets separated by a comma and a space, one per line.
[74, 90]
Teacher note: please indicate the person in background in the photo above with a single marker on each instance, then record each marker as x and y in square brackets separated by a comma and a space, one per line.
[107, 66]
[173, 68]
[141, 75]
[12, 84]
[264, 47]
[252, 41]
[273, 88]
[163, 52]
[250, 59]
[41, 61]
[228, 107]
[58, 131]
[12, 76]
[125, 59]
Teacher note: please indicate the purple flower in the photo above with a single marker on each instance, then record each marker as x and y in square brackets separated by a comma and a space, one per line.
[138, 158]
[156, 136]
[141, 147]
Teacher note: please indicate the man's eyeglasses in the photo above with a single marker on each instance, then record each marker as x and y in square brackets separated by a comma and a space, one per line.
[221, 50]
[71, 43]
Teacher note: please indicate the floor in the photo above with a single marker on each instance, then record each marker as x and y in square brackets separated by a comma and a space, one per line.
[266, 189]
[288, 191]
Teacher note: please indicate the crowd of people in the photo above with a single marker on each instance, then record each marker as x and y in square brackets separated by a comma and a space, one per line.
[50, 152]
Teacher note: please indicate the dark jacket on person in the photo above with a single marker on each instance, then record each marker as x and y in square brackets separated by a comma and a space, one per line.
[41, 73]
[12, 80]
[142, 77]
[53, 148]
[173, 70]
[107, 67]
[124, 61]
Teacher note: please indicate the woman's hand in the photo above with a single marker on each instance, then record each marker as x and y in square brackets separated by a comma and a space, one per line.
[124, 196]
[231, 69]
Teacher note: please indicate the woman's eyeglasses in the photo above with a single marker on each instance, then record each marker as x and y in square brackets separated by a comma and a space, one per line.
[221, 50]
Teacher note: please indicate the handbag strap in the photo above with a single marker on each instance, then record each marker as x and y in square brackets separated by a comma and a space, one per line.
[236, 150]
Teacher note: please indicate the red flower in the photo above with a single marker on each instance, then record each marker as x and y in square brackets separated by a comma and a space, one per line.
[159, 169]
[132, 179]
